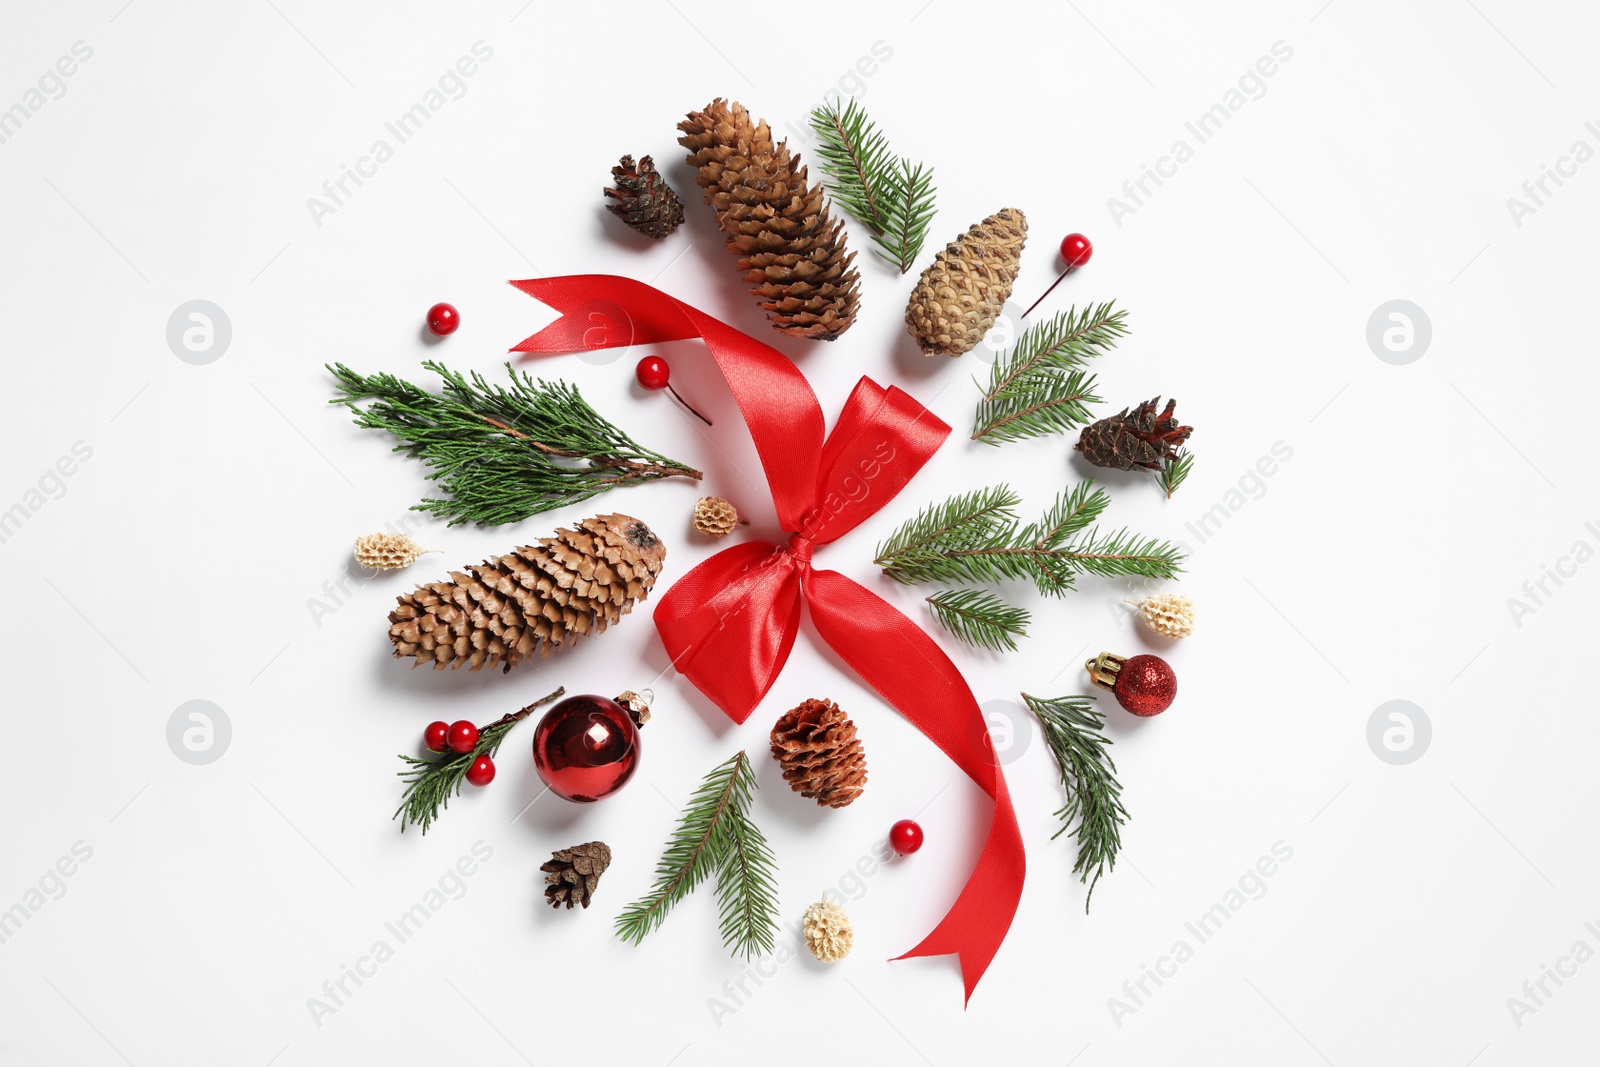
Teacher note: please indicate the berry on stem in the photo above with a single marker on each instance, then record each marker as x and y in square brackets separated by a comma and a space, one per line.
[481, 772]
[436, 735]
[463, 736]
[1075, 252]
[444, 319]
[653, 373]
[905, 837]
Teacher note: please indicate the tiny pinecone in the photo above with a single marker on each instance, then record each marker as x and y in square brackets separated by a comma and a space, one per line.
[572, 873]
[1140, 438]
[790, 247]
[821, 756]
[715, 517]
[388, 552]
[961, 293]
[829, 935]
[643, 198]
[535, 599]
[1168, 614]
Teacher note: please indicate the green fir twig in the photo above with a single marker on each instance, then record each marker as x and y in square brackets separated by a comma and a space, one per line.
[1039, 387]
[432, 780]
[891, 196]
[1093, 810]
[502, 454]
[980, 618]
[1176, 470]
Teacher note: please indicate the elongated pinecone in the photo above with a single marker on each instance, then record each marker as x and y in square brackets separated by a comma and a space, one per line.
[643, 198]
[572, 873]
[1137, 439]
[961, 292]
[791, 249]
[822, 758]
[535, 599]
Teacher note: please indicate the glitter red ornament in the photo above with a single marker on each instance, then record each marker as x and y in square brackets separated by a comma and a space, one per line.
[1144, 685]
[905, 837]
[444, 319]
[587, 747]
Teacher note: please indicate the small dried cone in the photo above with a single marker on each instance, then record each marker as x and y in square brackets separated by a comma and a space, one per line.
[643, 199]
[1137, 438]
[388, 552]
[961, 293]
[715, 517]
[790, 248]
[534, 599]
[822, 758]
[829, 934]
[572, 873]
[1168, 614]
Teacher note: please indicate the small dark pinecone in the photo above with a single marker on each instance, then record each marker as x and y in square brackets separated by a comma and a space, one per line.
[643, 198]
[1140, 438]
[573, 873]
[821, 756]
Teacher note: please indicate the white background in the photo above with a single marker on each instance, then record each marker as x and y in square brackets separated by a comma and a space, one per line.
[184, 559]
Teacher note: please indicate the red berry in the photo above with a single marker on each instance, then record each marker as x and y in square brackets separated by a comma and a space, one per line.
[435, 735]
[463, 736]
[653, 372]
[1076, 250]
[905, 837]
[481, 772]
[444, 319]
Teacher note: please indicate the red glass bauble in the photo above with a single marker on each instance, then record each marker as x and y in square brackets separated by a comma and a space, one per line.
[586, 748]
[444, 319]
[1145, 685]
[1076, 250]
[905, 837]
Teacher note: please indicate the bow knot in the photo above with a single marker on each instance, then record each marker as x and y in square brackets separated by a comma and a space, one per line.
[800, 547]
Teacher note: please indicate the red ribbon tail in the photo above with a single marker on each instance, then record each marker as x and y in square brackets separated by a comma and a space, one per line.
[603, 311]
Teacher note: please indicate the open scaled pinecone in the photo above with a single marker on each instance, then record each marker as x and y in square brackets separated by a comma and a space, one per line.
[643, 199]
[572, 873]
[821, 756]
[1140, 438]
[534, 599]
[790, 247]
[962, 291]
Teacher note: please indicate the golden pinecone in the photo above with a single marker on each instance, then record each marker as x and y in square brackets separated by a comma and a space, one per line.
[572, 873]
[790, 248]
[1168, 614]
[535, 599]
[388, 552]
[829, 935]
[822, 758]
[715, 517]
[643, 199]
[961, 293]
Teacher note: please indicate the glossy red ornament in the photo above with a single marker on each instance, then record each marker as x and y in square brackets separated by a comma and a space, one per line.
[653, 373]
[444, 319]
[481, 772]
[1144, 685]
[905, 837]
[462, 736]
[587, 747]
[1076, 250]
[436, 735]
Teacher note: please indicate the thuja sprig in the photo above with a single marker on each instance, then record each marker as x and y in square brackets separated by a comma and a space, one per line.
[975, 538]
[716, 836]
[890, 195]
[1093, 810]
[1039, 387]
[980, 618]
[1175, 470]
[502, 454]
[432, 780]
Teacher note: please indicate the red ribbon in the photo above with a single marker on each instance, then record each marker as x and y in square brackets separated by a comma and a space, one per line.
[730, 623]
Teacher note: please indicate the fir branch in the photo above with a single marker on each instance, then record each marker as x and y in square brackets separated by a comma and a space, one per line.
[502, 454]
[715, 836]
[890, 195]
[1176, 470]
[980, 618]
[1093, 810]
[432, 780]
[1039, 386]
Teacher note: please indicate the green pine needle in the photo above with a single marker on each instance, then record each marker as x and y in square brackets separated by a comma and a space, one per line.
[1039, 387]
[502, 454]
[1176, 470]
[980, 618]
[891, 196]
[1093, 810]
[716, 836]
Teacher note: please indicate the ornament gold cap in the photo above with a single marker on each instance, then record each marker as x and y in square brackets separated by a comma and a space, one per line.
[637, 704]
[1104, 668]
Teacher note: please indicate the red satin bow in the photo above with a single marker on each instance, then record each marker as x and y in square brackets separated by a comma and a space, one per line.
[730, 623]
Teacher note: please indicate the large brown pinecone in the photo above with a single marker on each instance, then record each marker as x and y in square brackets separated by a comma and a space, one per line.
[643, 199]
[961, 293]
[791, 249]
[821, 756]
[572, 873]
[1140, 438]
[535, 599]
